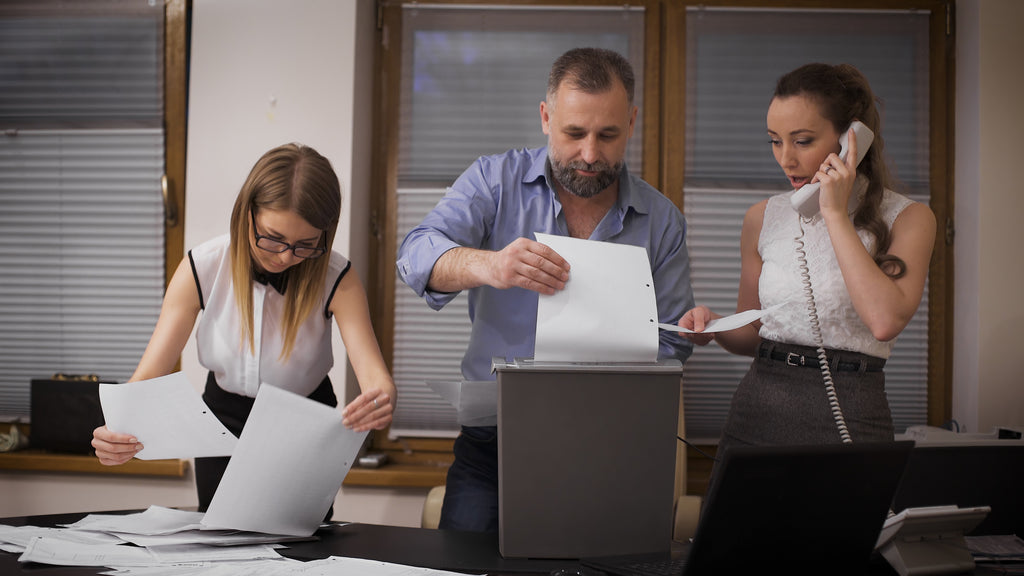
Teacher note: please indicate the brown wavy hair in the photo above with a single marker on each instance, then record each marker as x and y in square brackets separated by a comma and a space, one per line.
[843, 95]
[296, 178]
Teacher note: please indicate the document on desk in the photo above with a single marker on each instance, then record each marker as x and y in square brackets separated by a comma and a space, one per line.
[154, 521]
[16, 538]
[335, 565]
[476, 401]
[287, 468]
[61, 552]
[608, 311]
[168, 417]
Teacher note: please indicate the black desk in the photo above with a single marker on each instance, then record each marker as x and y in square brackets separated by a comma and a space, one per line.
[440, 549]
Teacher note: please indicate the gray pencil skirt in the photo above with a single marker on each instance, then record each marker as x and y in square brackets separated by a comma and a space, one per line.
[782, 399]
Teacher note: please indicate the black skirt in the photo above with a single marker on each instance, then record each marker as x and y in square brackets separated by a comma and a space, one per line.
[782, 399]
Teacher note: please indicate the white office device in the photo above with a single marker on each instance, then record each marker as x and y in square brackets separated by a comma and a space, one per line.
[930, 540]
[805, 200]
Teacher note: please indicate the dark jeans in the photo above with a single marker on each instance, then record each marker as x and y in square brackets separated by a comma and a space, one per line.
[471, 492]
[233, 410]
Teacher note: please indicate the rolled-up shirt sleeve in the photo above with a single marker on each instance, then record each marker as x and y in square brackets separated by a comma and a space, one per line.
[420, 251]
[460, 219]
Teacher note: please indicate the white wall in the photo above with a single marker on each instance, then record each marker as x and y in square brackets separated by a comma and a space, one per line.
[317, 55]
[988, 366]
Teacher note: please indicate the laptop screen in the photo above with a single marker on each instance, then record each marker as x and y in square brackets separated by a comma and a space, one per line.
[815, 506]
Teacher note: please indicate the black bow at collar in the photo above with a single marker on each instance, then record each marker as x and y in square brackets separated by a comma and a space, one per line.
[279, 281]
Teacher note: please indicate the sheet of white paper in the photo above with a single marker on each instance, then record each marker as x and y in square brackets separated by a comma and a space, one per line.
[276, 567]
[174, 553]
[336, 565]
[727, 323]
[168, 417]
[287, 468]
[210, 538]
[476, 400]
[608, 311]
[18, 537]
[155, 520]
[61, 552]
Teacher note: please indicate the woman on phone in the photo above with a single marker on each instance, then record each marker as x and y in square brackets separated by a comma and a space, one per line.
[850, 277]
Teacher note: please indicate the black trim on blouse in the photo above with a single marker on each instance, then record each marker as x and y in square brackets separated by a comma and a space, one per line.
[192, 263]
[330, 296]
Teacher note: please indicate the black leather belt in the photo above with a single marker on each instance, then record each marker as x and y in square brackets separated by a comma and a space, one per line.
[809, 361]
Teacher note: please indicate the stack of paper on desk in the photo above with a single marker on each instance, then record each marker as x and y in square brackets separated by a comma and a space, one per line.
[171, 542]
[285, 469]
[161, 536]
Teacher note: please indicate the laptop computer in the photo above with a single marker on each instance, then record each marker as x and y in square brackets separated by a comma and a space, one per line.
[586, 457]
[968, 474]
[785, 509]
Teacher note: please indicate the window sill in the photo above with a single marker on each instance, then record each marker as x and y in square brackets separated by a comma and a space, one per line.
[397, 475]
[41, 461]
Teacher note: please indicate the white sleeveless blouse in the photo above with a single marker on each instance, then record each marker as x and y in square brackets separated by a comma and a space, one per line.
[780, 280]
[223, 351]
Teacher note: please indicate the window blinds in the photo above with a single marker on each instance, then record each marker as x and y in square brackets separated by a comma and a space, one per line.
[472, 81]
[463, 74]
[81, 247]
[81, 208]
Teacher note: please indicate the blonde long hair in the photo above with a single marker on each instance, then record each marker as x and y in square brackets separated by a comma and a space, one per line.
[296, 178]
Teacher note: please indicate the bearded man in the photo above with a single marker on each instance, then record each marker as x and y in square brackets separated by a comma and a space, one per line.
[480, 238]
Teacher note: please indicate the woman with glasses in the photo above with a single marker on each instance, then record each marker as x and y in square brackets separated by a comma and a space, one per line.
[268, 291]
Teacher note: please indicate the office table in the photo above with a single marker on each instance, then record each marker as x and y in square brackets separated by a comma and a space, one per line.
[454, 551]
[441, 549]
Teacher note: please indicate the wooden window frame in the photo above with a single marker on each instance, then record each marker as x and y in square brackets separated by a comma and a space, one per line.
[176, 51]
[664, 146]
[177, 15]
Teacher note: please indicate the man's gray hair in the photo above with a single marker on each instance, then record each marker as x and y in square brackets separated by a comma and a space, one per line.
[592, 71]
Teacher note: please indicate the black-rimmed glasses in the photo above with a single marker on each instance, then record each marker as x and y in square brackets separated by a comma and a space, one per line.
[277, 247]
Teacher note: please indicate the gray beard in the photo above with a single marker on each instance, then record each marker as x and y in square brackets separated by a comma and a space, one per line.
[585, 186]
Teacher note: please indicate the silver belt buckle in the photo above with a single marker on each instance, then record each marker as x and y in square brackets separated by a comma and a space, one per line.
[794, 359]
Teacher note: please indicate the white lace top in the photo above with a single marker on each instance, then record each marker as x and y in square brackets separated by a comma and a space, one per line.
[780, 280]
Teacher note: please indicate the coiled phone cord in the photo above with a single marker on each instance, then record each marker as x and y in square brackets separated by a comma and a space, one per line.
[812, 314]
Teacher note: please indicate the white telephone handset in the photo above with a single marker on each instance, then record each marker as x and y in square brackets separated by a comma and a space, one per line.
[805, 200]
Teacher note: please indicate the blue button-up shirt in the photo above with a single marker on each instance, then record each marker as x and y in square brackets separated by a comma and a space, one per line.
[506, 196]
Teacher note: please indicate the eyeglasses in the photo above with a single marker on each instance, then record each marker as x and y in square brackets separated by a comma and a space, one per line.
[276, 246]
